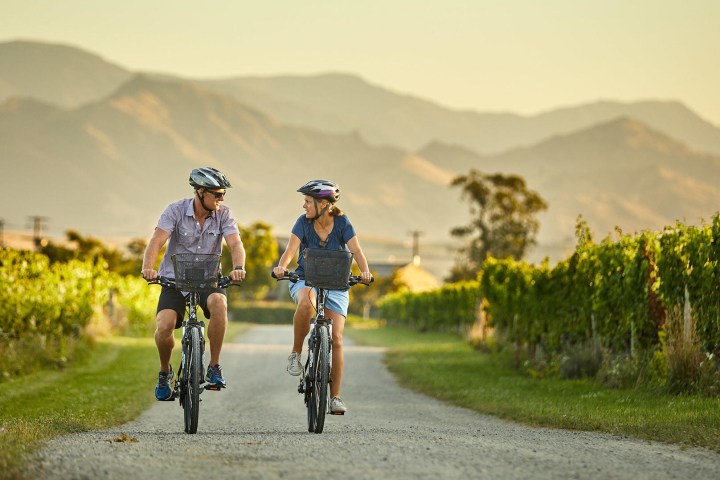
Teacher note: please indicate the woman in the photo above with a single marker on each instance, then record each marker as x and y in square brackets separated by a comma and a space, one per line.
[322, 226]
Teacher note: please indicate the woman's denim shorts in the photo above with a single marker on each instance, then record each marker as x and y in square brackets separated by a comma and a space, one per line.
[335, 300]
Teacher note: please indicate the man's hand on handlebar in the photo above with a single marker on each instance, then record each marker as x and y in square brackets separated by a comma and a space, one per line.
[237, 275]
[149, 273]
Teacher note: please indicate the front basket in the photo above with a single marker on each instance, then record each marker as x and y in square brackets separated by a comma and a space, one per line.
[196, 272]
[329, 269]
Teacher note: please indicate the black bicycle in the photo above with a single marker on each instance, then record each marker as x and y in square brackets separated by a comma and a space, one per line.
[194, 273]
[315, 383]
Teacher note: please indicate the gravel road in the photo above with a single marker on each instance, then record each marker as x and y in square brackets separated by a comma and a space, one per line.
[256, 428]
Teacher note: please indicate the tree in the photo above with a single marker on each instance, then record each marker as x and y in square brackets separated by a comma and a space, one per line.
[260, 253]
[503, 224]
[87, 248]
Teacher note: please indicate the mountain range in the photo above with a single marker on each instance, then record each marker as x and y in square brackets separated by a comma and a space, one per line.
[101, 149]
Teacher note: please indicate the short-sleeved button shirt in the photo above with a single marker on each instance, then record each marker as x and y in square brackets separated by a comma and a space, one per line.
[341, 233]
[186, 235]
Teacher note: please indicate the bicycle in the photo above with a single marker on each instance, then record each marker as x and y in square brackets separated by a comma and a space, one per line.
[315, 382]
[194, 273]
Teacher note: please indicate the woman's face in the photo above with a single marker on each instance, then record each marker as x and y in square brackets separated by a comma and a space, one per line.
[309, 206]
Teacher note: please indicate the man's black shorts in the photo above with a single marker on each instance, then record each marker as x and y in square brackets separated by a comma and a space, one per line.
[172, 299]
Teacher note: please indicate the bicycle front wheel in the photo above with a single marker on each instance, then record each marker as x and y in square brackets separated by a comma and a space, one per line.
[191, 403]
[318, 401]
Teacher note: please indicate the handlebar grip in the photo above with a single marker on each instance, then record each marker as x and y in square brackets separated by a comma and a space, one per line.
[164, 281]
[291, 276]
[287, 275]
[225, 282]
[355, 279]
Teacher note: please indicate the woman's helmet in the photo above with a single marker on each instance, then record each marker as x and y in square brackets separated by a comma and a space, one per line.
[321, 189]
[208, 177]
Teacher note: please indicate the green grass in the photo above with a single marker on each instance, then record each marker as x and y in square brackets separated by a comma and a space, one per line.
[447, 368]
[111, 385]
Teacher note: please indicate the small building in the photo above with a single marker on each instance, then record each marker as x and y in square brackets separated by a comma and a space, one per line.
[416, 278]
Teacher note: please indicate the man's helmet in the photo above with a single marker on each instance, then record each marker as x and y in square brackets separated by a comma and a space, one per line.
[208, 177]
[321, 189]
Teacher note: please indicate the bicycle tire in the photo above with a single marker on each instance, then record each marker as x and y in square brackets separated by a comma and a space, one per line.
[320, 381]
[191, 403]
[309, 380]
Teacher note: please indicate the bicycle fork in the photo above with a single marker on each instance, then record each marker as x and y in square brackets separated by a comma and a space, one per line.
[185, 350]
[306, 379]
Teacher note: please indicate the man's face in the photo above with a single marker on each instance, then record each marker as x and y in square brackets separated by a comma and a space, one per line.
[214, 198]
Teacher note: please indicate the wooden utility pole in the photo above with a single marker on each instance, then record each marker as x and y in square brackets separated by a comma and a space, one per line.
[37, 222]
[416, 247]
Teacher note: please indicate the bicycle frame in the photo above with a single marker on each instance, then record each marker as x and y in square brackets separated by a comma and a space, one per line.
[191, 364]
[188, 383]
[318, 321]
[192, 302]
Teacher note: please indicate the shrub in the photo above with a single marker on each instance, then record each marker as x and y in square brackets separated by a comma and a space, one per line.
[580, 361]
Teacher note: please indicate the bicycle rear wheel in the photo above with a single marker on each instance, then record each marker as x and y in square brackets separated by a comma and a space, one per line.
[318, 402]
[191, 403]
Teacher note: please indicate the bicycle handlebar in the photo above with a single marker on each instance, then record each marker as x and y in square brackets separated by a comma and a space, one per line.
[224, 281]
[294, 277]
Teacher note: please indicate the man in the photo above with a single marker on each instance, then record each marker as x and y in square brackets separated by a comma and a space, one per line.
[193, 225]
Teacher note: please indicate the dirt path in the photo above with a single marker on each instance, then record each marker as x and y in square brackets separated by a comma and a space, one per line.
[256, 429]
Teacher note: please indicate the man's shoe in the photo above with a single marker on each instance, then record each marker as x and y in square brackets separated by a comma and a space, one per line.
[337, 407]
[214, 377]
[294, 366]
[163, 389]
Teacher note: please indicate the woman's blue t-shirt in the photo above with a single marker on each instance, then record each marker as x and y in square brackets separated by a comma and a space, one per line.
[341, 233]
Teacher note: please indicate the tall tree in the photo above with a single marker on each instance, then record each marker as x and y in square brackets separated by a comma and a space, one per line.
[503, 224]
[260, 252]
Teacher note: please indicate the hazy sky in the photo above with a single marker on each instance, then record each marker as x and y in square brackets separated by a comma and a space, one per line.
[522, 56]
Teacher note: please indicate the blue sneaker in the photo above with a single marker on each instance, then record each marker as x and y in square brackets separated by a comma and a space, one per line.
[214, 377]
[163, 390]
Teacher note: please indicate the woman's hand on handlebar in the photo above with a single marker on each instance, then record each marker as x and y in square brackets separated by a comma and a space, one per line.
[279, 272]
[366, 277]
[149, 273]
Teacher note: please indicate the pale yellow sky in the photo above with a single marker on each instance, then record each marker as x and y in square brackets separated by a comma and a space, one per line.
[521, 56]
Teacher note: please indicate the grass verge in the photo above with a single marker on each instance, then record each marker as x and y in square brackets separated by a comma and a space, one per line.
[447, 368]
[111, 385]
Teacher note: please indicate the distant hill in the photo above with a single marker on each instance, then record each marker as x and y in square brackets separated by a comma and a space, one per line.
[57, 74]
[621, 173]
[344, 103]
[108, 166]
[340, 102]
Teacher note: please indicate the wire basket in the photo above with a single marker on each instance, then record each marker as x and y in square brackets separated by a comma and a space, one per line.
[329, 269]
[196, 272]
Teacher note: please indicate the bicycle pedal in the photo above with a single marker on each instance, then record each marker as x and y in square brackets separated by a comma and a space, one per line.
[215, 387]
